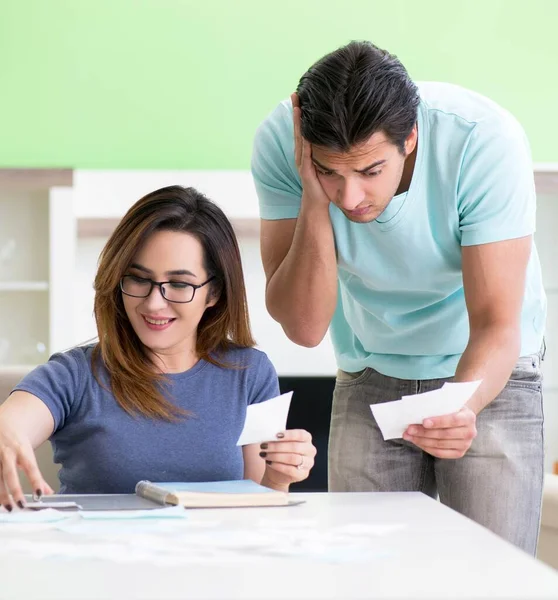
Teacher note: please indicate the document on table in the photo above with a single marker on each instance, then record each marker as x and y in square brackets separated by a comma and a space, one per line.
[39, 518]
[168, 512]
[49, 515]
[265, 420]
[393, 418]
[168, 542]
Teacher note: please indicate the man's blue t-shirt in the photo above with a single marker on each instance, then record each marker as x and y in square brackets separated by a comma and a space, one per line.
[103, 449]
[401, 306]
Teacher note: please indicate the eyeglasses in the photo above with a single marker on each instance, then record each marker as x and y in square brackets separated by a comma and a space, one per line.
[172, 291]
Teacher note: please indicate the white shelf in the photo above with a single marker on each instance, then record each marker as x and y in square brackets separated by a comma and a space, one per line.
[23, 286]
[37, 240]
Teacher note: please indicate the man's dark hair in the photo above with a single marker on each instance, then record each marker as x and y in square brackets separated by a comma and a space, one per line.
[353, 92]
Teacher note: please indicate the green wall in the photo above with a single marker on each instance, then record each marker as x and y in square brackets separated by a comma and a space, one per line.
[183, 84]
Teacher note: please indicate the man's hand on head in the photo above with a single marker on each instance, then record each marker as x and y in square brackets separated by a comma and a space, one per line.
[312, 190]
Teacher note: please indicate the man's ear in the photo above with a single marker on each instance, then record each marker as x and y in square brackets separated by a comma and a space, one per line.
[411, 141]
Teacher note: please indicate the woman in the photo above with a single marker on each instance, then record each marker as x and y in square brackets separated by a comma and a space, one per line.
[163, 394]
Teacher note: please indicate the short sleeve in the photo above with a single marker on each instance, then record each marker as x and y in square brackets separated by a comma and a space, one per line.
[273, 166]
[59, 383]
[265, 383]
[496, 190]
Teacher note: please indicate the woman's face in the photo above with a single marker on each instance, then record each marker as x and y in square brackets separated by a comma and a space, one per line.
[168, 328]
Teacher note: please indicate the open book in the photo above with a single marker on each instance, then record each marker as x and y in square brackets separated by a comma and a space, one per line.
[212, 494]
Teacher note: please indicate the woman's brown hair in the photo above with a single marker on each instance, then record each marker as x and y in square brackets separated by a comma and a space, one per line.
[134, 380]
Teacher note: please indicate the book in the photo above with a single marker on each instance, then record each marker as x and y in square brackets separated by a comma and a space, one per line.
[212, 494]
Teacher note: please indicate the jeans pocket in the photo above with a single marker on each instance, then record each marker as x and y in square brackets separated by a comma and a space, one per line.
[527, 372]
[345, 378]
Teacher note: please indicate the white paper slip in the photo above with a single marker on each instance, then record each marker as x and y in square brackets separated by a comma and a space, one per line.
[393, 418]
[48, 515]
[171, 512]
[265, 420]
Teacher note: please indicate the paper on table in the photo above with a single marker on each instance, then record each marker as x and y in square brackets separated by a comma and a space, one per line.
[123, 529]
[171, 512]
[167, 542]
[49, 515]
[265, 420]
[393, 418]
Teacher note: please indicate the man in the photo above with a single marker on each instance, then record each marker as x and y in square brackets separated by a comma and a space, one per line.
[401, 218]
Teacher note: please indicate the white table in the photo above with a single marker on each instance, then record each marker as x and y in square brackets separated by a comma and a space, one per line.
[436, 553]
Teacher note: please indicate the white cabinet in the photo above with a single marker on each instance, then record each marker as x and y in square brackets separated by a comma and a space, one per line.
[37, 256]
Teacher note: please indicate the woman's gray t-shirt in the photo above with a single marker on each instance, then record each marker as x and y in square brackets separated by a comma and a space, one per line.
[103, 449]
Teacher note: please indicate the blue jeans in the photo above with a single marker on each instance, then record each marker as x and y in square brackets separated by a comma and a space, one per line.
[498, 483]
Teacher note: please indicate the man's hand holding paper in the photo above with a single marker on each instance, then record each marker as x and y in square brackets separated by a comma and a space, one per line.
[439, 421]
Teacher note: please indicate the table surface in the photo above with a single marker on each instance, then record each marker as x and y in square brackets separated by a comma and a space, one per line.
[357, 545]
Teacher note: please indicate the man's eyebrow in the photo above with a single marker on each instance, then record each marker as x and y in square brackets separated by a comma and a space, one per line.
[318, 164]
[372, 166]
[368, 168]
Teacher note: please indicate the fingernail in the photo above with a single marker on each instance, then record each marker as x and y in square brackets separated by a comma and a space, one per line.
[281, 435]
[263, 446]
[263, 454]
[9, 507]
[39, 494]
[20, 504]
[428, 423]
[411, 431]
[268, 462]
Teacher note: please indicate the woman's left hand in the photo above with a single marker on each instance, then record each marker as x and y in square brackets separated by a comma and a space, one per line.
[287, 459]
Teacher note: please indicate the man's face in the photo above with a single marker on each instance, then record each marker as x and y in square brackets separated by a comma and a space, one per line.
[363, 181]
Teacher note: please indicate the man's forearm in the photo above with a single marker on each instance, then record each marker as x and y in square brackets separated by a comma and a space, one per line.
[491, 355]
[302, 293]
